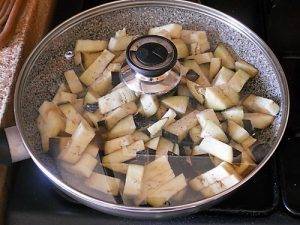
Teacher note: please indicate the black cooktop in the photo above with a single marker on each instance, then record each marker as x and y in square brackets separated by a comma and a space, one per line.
[271, 197]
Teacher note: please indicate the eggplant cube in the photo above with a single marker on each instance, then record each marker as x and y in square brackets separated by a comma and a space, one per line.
[103, 183]
[213, 130]
[216, 148]
[226, 57]
[223, 76]
[259, 120]
[166, 191]
[150, 104]
[133, 183]
[238, 80]
[207, 114]
[261, 105]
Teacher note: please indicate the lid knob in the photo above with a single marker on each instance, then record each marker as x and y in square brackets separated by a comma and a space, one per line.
[151, 55]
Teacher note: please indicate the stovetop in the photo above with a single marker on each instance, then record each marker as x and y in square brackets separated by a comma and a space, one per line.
[271, 197]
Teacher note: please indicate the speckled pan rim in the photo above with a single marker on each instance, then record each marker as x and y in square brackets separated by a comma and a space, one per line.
[233, 23]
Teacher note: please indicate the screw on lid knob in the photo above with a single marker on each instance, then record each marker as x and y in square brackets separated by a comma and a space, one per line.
[151, 55]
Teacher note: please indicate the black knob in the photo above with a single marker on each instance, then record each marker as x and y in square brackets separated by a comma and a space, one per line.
[151, 55]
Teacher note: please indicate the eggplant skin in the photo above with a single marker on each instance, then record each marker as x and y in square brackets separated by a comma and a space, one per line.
[259, 151]
[115, 78]
[248, 126]
[170, 136]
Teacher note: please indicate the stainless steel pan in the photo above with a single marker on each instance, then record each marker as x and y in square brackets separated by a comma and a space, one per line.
[43, 71]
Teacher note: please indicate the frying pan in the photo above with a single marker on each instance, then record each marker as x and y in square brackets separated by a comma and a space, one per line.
[43, 72]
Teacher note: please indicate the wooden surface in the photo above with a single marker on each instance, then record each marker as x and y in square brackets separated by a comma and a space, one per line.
[32, 26]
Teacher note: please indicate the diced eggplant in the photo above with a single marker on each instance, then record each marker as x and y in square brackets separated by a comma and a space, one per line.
[120, 43]
[161, 111]
[117, 143]
[96, 69]
[66, 97]
[193, 36]
[156, 173]
[204, 57]
[196, 91]
[150, 104]
[162, 33]
[195, 134]
[142, 122]
[92, 149]
[238, 80]
[121, 112]
[123, 127]
[179, 129]
[139, 135]
[78, 105]
[200, 47]
[124, 154]
[226, 57]
[223, 76]
[175, 149]
[153, 143]
[91, 107]
[47, 107]
[235, 114]
[115, 99]
[58, 145]
[259, 151]
[251, 70]
[79, 141]
[213, 130]
[166, 191]
[248, 142]
[214, 175]
[201, 163]
[103, 183]
[207, 114]
[220, 186]
[173, 29]
[182, 49]
[202, 79]
[236, 132]
[56, 98]
[91, 97]
[170, 114]
[73, 81]
[192, 75]
[117, 167]
[115, 78]
[248, 126]
[120, 58]
[73, 117]
[90, 45]
[231, 94]
[178, 103]
[50, 126]
[164, 146]
[261, 105]
[216, 99]
[259, 120]
[214, 67]
[133, 183]
[88, 58]
[217, 148]
[155, 128]
[187, 141]
[85, 165]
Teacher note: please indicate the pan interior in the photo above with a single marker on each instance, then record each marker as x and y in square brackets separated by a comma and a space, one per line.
[45, 72]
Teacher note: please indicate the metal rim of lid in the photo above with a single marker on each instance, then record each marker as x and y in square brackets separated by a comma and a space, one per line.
[151, 70]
